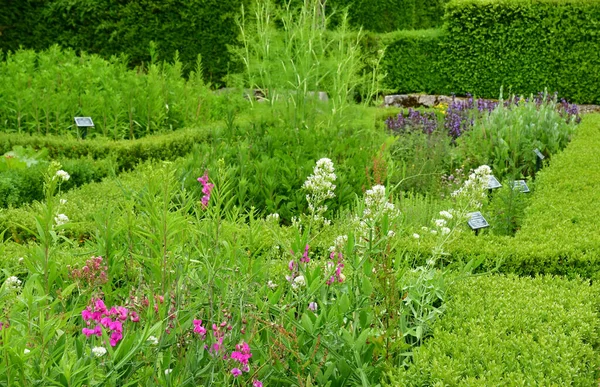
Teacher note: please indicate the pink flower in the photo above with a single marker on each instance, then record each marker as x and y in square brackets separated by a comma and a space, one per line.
[86, 314]
[122, 312]
[198, 328]
[313, 306]
[100, 307]
[257, 383]
[206, 189]
[305, 257]
[134, 317]
[236, 372]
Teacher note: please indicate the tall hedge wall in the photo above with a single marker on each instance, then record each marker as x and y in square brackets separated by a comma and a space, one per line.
[112, 27]
[392, 15]
[413, 61]
[206, 27]
[523, 46]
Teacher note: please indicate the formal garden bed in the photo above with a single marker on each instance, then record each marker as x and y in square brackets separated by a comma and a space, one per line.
[194, 237]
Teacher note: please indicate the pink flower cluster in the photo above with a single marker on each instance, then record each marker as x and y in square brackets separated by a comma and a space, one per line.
[241, 354]
[206, 189]
[110, 319]
[198, 328]
[94, 273]
[293, 265]
[337, 261]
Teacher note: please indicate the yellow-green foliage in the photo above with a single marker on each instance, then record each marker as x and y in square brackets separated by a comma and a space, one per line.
[506, 330]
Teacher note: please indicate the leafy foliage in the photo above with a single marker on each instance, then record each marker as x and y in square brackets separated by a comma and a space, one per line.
[521, 330]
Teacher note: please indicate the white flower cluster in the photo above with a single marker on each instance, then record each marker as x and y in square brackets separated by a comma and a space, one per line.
[320, 187]
[376, 206]
[61, 219]
[153, 340]
[474, 188]
[99, 351]
[63, 175]
[272, 218]
[441, 224]
[339, 243]
[13, 283]
[298, 282]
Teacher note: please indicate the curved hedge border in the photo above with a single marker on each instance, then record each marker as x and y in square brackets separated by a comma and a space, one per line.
[126, 153]
[559, 234]
[512, 331]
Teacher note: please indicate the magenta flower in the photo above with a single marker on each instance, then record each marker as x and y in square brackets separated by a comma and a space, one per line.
[257, 383]
[236, 372]
[206, 189]
[305, 257]
[198, 328]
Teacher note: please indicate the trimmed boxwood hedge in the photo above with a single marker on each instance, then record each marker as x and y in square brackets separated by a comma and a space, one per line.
[500, 331]
[125, 153]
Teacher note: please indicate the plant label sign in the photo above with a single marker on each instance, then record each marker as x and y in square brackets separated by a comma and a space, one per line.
[538, 154]
[477, 221]
[493, 183]
[84, 122]
[521, 185]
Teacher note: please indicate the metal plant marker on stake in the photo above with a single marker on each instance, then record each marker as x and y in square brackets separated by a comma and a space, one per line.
[539, 159]
[521, 185]
[493, 183]
[477, 222]
[84, 123]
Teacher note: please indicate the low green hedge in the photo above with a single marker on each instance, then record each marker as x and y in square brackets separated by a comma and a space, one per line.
[83, 203]
[21, 186]
[126, 153]
[505, 330]
[560, 230]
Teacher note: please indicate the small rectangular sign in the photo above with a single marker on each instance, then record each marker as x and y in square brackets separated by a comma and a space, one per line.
[521, 185]
[493, 183]
[84, 122]
[538, 154]
[477, 221]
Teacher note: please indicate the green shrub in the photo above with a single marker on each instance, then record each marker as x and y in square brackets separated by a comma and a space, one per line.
[412, 61]
[524, 46]
[511, 331]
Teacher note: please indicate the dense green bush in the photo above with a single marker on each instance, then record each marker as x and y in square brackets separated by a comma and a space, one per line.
[511, 331]
[413, 61]
[524, 46]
